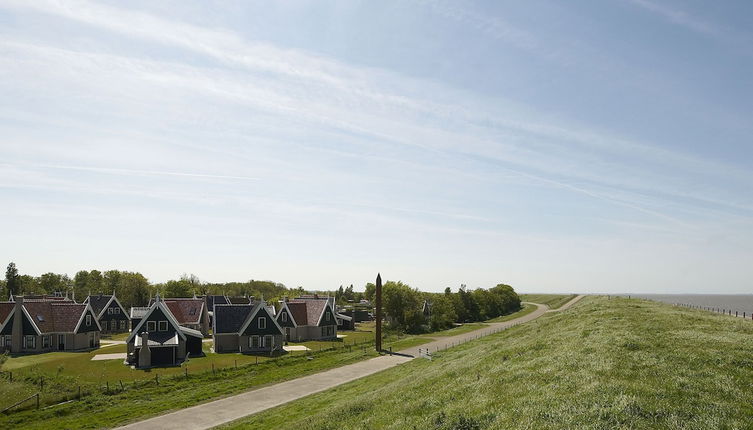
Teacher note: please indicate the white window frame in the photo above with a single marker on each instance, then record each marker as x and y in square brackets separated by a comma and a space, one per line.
[251, 342]
[88, 319]
[123, 324]
[151, 326]
[326, 316]
[271, 341]
[33, 340]
[45, 341]
[2, 341]
[262, 323]
[284, 317]
[161, 324]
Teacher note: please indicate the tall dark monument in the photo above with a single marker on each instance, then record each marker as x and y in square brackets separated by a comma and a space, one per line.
[378, 293]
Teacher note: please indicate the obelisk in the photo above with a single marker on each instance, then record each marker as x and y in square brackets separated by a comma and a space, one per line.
[378, 293]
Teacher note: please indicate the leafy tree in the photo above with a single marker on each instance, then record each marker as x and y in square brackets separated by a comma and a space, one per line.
[53, 282]
[370, 292]
[442, 312]
[403, 305]
[94, 282]
[12, 280]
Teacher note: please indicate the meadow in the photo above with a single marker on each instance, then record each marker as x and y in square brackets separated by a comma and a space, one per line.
[603, 364]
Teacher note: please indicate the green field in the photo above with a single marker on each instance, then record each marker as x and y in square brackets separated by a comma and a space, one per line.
[604, 364]
[554, 301]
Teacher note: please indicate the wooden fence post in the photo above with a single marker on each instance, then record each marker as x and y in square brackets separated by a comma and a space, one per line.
[185, 370]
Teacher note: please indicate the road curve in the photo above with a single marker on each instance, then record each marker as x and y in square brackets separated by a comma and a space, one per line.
[222, 411]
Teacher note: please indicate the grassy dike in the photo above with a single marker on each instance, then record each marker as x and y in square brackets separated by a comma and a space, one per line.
[554, 301]
[603, 364]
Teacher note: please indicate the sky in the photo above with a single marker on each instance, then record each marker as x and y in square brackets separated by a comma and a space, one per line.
[586, 146]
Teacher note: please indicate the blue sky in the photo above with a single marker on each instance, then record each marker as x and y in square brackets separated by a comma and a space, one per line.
[592, 146]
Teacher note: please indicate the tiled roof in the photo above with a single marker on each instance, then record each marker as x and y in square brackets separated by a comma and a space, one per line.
[138, 312]
[298, 310]
[186, 311]
[55, 317]
[314, 308]
[98, 302]
[5, 310]
[215, 300]
[239, 300]
[230, 318]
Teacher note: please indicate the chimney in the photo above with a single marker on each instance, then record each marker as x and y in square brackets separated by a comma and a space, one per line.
[17, 330]
[145, 355]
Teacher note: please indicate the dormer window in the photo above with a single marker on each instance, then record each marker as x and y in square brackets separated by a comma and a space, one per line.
[262, 323]
[151, 326]
[88, 320]
[163, 326]
[284, 317]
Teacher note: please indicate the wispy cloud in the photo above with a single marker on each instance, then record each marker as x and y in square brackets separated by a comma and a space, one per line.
[680, 17]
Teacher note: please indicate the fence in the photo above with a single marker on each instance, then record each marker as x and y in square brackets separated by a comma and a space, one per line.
[49, 393]
[718, 310]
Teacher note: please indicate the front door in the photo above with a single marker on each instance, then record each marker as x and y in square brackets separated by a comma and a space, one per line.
[61, 342]
[287, 334]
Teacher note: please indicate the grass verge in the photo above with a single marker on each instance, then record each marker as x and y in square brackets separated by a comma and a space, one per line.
[554, 301]
[605, 364]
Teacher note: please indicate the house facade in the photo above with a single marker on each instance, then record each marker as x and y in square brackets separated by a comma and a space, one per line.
[35, 326]
[250, 329]
[112, 316]
[189, 312]
[308, 318]
[160, 340]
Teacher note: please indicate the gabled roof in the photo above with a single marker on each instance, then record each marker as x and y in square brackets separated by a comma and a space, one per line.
[314, 309]
[299, 312]
[185, 310]
[290, 312]
[56, 316]
[255, 310]
[215, 300]
[138, 312]
[157, 304]
[6, 309]
[239, 300]
[101, 302]
[230, 318]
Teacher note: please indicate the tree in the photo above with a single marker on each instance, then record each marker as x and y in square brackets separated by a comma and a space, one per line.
[442, 312]
[370, 292]
[12, 280]
[94, 282]
[403, 305]
[53, 282]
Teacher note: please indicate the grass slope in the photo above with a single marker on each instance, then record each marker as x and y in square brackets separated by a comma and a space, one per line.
[525, 310]
[554, 301]
[603, 364]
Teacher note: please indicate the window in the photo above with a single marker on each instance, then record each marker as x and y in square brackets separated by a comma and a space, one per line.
[88, 319]
[262, 323]
[109, 311]
[151, 326]
[45, 342]
[326, 316]
[7, 340]
[284, 317]
[122, 324]
[163, 326]
[324, 331]
[116, 311]
[2, 341]
[30, 342]
[268, 341]
[254, 342]
[113, 325]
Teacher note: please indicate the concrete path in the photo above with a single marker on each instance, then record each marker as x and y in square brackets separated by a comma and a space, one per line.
[211, 414]
[116, 356]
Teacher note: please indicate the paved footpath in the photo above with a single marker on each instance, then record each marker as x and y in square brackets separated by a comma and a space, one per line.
[211, 414]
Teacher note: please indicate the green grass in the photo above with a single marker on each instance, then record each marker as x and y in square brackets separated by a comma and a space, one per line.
[526, 309]
[605, 364]
[554, 301]
[116, 336]
[144, 398]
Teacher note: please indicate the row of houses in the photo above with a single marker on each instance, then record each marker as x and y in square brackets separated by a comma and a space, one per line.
[169, 330]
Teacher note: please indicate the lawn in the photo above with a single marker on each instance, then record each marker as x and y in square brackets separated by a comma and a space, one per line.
[554, 301]
[168, 391]
[606, 364]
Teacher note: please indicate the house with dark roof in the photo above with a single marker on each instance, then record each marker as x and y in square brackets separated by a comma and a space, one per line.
[111, 315]
[249, 328]
[136, 314]
[34, 325]
[189, 312]
[160, 340]
[308, 318]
